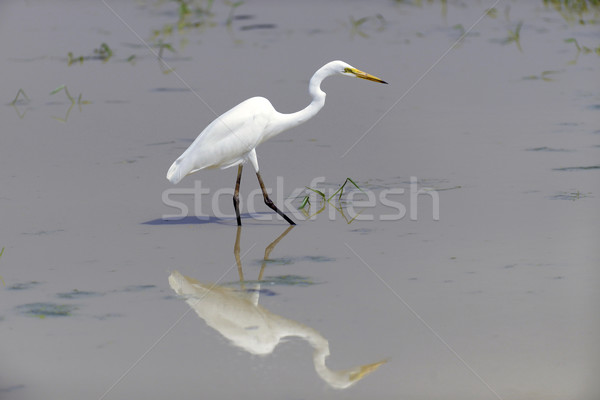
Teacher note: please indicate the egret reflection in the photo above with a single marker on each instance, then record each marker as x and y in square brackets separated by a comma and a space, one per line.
[236, 314]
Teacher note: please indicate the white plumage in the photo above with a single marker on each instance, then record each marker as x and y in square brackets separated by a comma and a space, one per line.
[232, 138]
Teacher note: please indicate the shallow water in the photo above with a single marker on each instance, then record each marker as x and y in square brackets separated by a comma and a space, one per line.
[495, 297]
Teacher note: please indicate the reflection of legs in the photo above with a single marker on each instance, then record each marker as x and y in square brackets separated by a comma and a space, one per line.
[236, 195]
[269, 202]
[236, 254]
[269, 249]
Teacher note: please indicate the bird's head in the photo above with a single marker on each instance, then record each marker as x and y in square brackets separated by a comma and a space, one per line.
[348, 70]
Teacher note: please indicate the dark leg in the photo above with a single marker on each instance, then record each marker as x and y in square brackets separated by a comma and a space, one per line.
[268, 201]
[236, 195]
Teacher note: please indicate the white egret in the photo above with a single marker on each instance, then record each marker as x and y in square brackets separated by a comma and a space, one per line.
[232, 138]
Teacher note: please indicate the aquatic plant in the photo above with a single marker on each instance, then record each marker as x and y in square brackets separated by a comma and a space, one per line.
[341, 189]
[306, 204]
[580, 50]
[71, 99]
[18, 100]
[103, 52]
[545, 76]
[79, 101]
[63, 87]
[306, 200]
[71, 59]
[186, 11]
[165, 69]
[419, 3]
[515, 36]
[356, 24]
[22, 93]
[491, 12]
[575, 10]
[233, 5]
[571, 195]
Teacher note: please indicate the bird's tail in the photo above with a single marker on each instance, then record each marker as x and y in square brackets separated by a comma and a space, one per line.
[176, 172]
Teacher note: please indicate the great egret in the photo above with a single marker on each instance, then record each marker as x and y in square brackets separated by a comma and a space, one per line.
[232, 138]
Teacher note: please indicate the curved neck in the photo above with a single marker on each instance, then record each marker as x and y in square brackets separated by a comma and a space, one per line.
[287, 121]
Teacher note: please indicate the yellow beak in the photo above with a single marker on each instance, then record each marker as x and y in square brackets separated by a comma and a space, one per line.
[366, 369]
[363, 75]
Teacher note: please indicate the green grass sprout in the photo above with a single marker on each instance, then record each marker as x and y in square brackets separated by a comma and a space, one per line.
[305, 204]
[161, 48]
[341, 189]
[544, 76]
[515, 36]
[71, 59]
[63, 87]
[103, 52]
[79, 101]
[575, 10]
[491, 12]
[22, 93]
[581, 49]
[356, 25]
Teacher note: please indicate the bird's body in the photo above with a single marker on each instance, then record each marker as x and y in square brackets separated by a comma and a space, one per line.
[232, 138]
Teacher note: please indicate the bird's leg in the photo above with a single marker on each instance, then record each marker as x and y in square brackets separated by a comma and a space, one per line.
[236, 195]
[269, 202]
